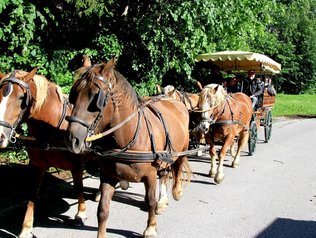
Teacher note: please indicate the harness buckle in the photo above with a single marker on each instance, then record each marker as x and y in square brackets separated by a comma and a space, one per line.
[13, 136]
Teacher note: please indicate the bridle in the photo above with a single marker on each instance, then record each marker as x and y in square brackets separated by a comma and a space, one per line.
[210, 119]
[101, 102]
[27, 98]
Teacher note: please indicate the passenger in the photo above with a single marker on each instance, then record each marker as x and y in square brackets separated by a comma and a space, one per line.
[270, 89]
[233, 85]
[216, 76]
[253, 87]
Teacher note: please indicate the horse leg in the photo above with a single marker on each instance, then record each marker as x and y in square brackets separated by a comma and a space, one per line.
[107, 188]
[163, 195]
[213, 156]
[177, 174]
[243, 139]
[219, 177]
[180, 165]
[81, 216]
[150, 200]
[232, 149]
[201, 140]
[123, 184]
[36, 178]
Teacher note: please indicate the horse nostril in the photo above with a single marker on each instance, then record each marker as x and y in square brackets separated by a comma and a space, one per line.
[74, 142]
[2, 137]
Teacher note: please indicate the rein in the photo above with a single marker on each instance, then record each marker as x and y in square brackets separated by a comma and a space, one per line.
[184, 97]
[122, 123]
[153, 155]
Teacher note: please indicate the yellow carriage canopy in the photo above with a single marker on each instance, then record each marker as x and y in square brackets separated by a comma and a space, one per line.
[235, 61]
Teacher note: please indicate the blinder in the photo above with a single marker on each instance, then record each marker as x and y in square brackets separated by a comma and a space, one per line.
[7, 89]
[8, 85]
[101, 100]
[97, 104]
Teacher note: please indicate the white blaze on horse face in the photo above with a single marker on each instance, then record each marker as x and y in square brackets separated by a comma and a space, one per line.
[205, 124]
[3, 109]
[3, 104]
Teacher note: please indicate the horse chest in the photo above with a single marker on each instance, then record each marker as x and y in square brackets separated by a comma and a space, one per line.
[220, 132]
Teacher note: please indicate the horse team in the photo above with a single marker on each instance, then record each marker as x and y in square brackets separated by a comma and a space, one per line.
[132, 138]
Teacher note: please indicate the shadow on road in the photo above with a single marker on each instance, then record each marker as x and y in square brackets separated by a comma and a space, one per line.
[14, 189]
[289, 228]
[51, 202]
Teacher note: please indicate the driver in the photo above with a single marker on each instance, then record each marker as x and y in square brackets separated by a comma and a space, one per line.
[252, 86]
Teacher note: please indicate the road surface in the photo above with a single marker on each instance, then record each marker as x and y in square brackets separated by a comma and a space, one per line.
[271, 194]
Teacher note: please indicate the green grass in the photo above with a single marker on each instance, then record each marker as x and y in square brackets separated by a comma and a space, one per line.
[294, 105]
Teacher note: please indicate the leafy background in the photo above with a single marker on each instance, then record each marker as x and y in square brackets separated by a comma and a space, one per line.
[156, 41]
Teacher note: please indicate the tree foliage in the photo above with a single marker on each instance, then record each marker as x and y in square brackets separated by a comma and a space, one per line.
[156, 41]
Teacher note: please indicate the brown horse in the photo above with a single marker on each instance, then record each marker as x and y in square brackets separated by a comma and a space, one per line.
[224, 117]
[27, 97]
[145, 137]
[190, 100]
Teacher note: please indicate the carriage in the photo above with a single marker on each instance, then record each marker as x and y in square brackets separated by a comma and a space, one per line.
[239, 63]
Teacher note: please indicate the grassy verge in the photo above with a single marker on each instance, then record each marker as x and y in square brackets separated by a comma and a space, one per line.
[295, 105]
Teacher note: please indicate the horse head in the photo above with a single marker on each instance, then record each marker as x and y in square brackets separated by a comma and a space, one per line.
[15, 98]
[170, 91]
[93, 110]
[210, 98]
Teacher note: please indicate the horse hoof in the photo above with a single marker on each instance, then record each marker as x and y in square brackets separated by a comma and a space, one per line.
[177, 195]
[26, 235]
[211, 175]
[79, 222]
[160, 208]
[219, 179]
[97, 196]
[124, 185]
[150, 233]
[235, 165]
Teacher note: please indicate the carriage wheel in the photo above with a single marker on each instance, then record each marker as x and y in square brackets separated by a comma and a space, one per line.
[253, 137]
[268, 126]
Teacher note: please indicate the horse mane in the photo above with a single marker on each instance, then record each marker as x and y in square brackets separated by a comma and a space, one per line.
[42, 85]
[215, 92]
[122, 90]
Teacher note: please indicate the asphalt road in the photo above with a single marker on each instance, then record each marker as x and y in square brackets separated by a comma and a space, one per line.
[271, 194]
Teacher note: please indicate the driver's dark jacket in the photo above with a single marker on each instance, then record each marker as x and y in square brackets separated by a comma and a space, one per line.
[252, 87]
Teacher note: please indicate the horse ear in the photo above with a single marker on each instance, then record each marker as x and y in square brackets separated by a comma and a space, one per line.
[158, 88]
[111, 63]
[107, 67]
[2, 75]
[30, 75]
[86, 61]
[199, 85]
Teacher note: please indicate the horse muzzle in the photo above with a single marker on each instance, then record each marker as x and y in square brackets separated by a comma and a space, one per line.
[204, 126]
[77, 145]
